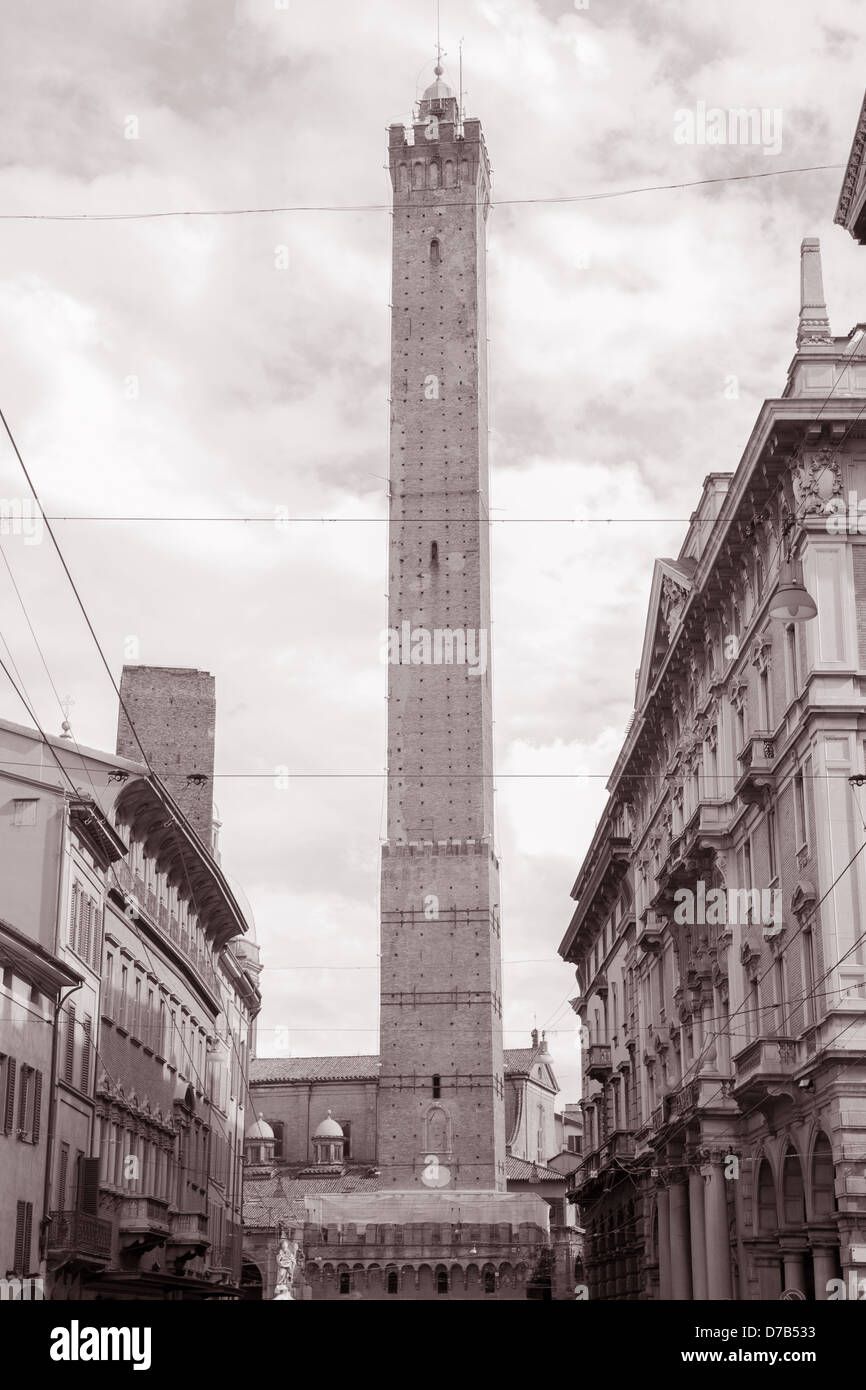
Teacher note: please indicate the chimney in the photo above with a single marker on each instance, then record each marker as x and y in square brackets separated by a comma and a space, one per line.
[535, 1037]
[173, 711]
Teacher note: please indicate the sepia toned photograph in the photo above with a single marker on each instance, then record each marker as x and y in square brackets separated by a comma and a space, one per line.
[432, 671]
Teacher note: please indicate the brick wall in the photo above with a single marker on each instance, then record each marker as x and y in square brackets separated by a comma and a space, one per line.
[173, 711]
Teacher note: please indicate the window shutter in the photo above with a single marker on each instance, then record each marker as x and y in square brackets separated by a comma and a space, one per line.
[23, 1096]
[70, 1043]
[23, 1234]
[73, 915]
[37, 1106]
[85, 1053]
[62, 1177]
[90, 1186]
[9, 1117]
[84, 909]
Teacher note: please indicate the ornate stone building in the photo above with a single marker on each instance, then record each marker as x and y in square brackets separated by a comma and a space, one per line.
[718, 931]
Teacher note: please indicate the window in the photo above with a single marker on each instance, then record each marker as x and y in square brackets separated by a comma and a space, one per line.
[442, 1281]
[108, 987]
[23, 1238]
[29, 1105]
[800, 809]
[279, 1130]
[490, 1281]
[124, 995]
[392, 1281]
[435, 251]
[24, 811]
[437, 1086]
[345, 1281]
[808, 949]
[791, 660]
[780, 995]
[7, 1093]
[771, 842]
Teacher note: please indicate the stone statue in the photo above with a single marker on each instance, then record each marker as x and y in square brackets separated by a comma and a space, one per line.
[287, 1258]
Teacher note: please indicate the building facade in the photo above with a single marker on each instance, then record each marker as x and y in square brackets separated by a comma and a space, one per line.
[146, 1036]
[718, 931]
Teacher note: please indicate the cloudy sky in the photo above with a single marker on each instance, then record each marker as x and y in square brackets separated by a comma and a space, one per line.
[168, 368]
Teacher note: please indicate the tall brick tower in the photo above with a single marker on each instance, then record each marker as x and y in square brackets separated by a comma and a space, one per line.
[441, 1093]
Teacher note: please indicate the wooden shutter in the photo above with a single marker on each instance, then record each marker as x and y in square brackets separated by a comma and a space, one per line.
[85, 904]
[9, 1114]
[85, 1053]
[89, 1186]
[69, 1059]
[23, 1236]
[62, 1177]
[73, 916]
[23, 1096]
[37, 1106]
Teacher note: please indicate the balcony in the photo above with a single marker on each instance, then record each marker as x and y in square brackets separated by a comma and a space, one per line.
[757, 761]
[77, 1233]
[189, 1226]
[618, 1145]
[648, 933]
[599, 1066]
[144, 1216]
[764, 1068]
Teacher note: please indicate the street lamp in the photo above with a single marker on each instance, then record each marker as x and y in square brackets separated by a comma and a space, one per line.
[792, 602]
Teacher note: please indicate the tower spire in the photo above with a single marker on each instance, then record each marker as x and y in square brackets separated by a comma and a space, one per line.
[814, 324]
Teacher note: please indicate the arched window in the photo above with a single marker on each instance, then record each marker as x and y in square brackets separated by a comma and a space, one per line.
[450, 179]
[418, 175]
[345, 1282]
[442, 1281]
[434, 560]
[392, 1281]
[435, 255]
[823, 1178]
[793, 1195]
[277, 1127]
[433, 178]
[437, 1080]
[489, 1281]
[767, 1218]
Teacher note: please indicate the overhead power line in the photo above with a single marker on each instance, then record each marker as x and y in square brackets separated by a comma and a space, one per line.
[386, 207]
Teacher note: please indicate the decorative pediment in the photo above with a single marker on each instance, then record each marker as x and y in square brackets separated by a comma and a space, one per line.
[670, 592]
[804, 896]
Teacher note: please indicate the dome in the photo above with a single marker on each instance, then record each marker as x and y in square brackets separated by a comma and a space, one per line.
[328, 1129]
[438, 90]
[260, 1130]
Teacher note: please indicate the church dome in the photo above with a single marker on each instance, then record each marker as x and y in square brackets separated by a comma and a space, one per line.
[328, 1129]
[260, 1129]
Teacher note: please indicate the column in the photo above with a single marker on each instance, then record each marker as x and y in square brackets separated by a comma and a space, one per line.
[795, 1269]
[698, 1235]
[664, 1244]
[826, 1262]
[716, 1230]
[681, 1257]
